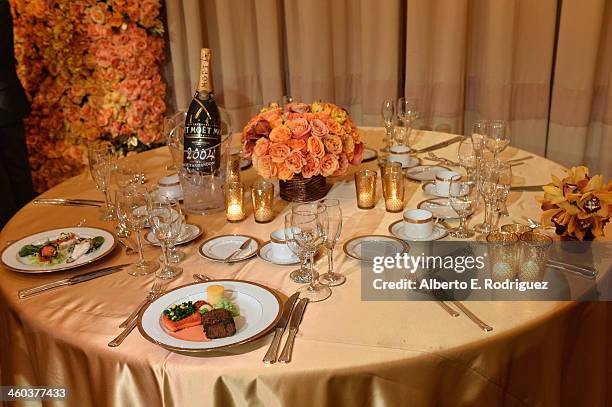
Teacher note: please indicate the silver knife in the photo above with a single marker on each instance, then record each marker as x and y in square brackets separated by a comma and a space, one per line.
[537, 188]
[80, 200]
[79, 278]
[296, 319]
[67, 202]
[583, 272]
[440, 145]
[280, 328]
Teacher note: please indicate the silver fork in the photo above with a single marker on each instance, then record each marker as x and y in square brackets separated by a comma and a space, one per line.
[155, 290]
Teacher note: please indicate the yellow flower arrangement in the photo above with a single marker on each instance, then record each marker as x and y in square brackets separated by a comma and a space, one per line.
[578, 205]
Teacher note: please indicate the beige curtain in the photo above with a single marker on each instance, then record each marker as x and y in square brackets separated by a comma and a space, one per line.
[462, 59]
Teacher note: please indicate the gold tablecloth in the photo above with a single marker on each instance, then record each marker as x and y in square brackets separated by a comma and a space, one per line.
[347, 352]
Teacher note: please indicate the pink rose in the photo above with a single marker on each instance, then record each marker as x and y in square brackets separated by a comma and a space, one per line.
[315, 146]
[247, 148]
[279, 152]
[358, 154]
[295, 161]
[329, 165]
[104, 117]
[261, 147]
[130, 88]
[333, 144]
[280, 134]
[319, 128]
[262, 127]
[264, 166]
[300, 128]
[135, 115]
[284, 173]
[297, 107]
[97, 14]
[343, 164]
[311, 167]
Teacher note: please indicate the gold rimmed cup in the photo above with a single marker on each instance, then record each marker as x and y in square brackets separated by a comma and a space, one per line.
[502, 250]
[234, 201]
[533, 255]
[262, 194]
[365, 188]
[233, 168]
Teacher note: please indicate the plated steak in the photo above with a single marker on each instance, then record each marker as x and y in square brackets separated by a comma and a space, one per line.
[218, 323]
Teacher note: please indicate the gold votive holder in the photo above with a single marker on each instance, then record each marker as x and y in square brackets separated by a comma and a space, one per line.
[516, 228]
[233, 168]
[262, 193]
[234, 201]
[365, 187]
[502, 251]
[533, 255]
[393, 187]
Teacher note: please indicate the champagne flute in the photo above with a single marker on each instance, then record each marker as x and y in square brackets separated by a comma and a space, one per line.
[387, 112]
[132, 208]
[309, 227]
[487, 187]
[166, 222]
[463, 198]
[498, 137]
[334, 214]
[480, 128]
[101, 159]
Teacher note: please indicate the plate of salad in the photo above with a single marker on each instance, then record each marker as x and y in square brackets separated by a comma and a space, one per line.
[58, 249]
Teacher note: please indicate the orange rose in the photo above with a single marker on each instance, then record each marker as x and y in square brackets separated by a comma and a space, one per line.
[356, 136]
[311, 167]
[264, 166]
[319, 128]
[279, 152]
[299, 127]
[299, 145]
[284, 173]
[333, 144]
[329, 165]
[271, 115]
[315, 146]
[349, 144]
[343, 163]
[295, 161]
[280, 134]
[261, 147]
[334, 126]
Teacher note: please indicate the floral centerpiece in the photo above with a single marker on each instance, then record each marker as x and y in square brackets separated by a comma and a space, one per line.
[578, 205]
[301, 145]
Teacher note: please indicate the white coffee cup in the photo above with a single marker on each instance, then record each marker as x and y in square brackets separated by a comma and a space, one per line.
[170, 187]
[278, 243]
[402, 154]
[418, 223]
[443, 182]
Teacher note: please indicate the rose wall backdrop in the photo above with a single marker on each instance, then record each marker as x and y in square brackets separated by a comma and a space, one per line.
[91, 70]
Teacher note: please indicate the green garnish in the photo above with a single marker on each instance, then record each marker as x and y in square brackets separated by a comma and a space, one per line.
[96, 242]
[180, 311]
[30, 250]
[203, 310]
[228, 306]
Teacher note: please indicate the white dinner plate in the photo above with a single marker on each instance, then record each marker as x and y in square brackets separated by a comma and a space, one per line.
[369, 154]
[397, 230]
[189, 232]
[424, 172]
[219, 247]
[265, 253]
[430, 189]
[12, 260]
[259, 307]
[365, 248]
[439, 207]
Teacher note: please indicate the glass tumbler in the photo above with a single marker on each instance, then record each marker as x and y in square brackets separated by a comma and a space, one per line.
[365, 187]
[533, 256]
[262, 194]
[502, 250]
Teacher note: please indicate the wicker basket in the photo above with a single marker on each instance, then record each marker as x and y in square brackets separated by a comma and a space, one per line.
[301, 189]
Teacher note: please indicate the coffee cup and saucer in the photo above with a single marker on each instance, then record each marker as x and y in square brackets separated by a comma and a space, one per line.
[276, 251]
[417, 225]
[441, 186]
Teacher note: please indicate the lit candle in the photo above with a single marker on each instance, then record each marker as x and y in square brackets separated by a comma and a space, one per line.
[234, 201]
[365, 185]
[262, 193]
[394, 204]
[234, 212]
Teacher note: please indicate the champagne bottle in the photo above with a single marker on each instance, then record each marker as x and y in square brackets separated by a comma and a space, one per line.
[203, 124]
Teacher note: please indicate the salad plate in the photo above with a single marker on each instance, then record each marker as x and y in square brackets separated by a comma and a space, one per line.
[189, 232]
[365, 248]
[266, 253]
[218, 248]
[255, 311]
[369, 154]
[58, 249]
[397, 230]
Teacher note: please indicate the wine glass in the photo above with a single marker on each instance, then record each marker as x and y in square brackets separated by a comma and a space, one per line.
[467, 158]
[487, 187]
[174, 139]
[504, 181]
[480, 129]
[498, 137]
[309, 226]
[407, 113]
[387, 112]
[301, 275]
[166, 222]
[125, 174]
[174, 254]
[334, 214]
[101, 159]
[132, 209]
[463, 198]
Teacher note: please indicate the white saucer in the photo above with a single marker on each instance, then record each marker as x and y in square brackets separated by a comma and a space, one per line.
[189, 232]
[369, 154]
[377, 245]
[430, 189]
[424, 172]
[265, 253]
[219, 247]
[439, 207]
[397, 230]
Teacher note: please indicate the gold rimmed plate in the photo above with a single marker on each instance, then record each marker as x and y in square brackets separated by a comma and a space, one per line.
[367, 247]
[397, 230]
[259, 307]
[217, 248]
[439, 207]
[421, 173]
[369, 154]
[27, 264]
[189, 232]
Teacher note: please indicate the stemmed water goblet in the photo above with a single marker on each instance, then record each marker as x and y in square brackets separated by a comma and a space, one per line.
[387, 112]
[463, 198]
[166, 222]
[334, 215]
[487, 187]
[467, 157]
[504, 181]
[125, 174]
[498, 137]
[101, 159]
[407, 113]
[302, 274]
[132, 209]
[309, 227]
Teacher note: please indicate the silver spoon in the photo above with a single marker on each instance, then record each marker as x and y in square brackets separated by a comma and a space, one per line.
[201, 277]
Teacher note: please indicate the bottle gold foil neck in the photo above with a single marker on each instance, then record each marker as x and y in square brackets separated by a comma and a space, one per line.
[204, 84]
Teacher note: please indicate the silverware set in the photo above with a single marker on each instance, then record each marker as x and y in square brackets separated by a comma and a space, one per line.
[244, 245]
[68, 202]
[295, 313]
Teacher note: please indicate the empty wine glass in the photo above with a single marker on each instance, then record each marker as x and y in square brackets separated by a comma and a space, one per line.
[480, 129]
[463, 198]
[487, 187]
[467, 157]
[498, 137]
[132, 209]
[302, 274]
[165, 220]
[407, 113]
[173, 133]
[387, 112]
[101, 159]
[174, 254]
[504, 181]
[334, 215]
[309, 227]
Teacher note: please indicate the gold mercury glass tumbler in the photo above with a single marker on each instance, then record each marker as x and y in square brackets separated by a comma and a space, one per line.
[502, 249]
[533, 256]
[393, 186]
[234, 201]
[233, 168]
[365, 187]
[262, 193]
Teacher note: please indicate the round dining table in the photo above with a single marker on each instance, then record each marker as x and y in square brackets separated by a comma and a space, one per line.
[348, 351]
